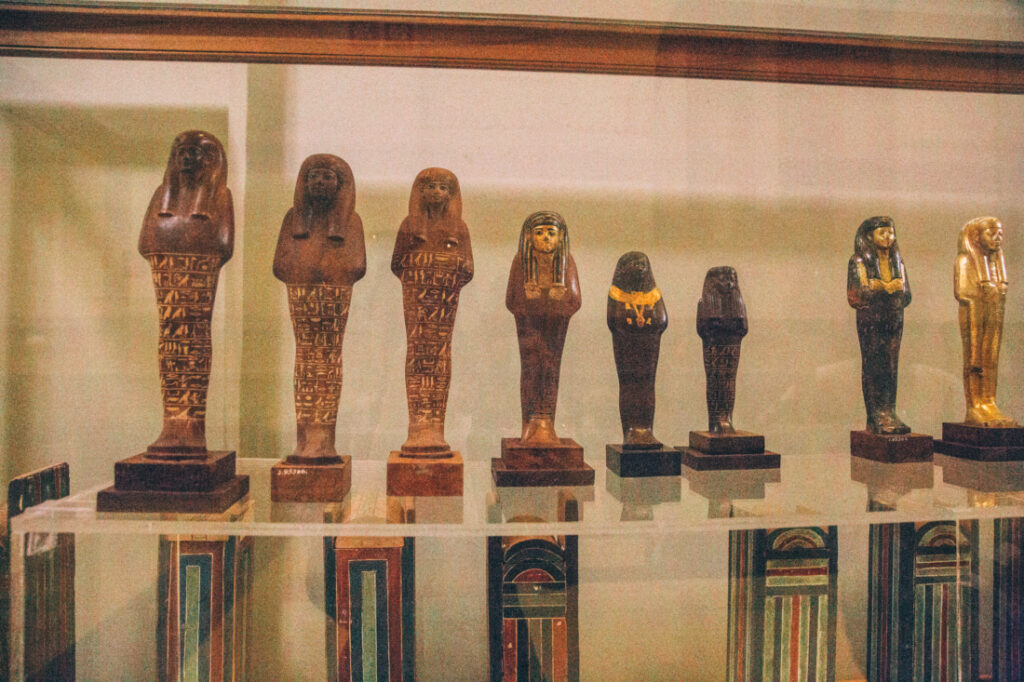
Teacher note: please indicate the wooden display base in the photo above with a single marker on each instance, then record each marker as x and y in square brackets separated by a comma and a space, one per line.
[981, 443]
[720, 451]
[420, 476]
[295, 482]
[891, 449]
[551, 464]
[702, 461]
[630, 462]
[148, 482]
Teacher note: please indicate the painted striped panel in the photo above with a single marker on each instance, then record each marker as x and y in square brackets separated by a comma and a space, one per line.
[204, 591]
[533, 598]
[1008, 600]
[368, 594]
[782, 587]
[48, 634]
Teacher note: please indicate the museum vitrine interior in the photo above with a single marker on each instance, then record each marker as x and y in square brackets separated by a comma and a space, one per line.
[746, 137]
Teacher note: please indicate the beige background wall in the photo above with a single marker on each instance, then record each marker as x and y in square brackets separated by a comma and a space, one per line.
[772, 179]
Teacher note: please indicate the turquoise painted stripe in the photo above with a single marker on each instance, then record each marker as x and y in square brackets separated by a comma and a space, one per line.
[796, 563]
[936, 607]
[190, 626]
[369, 603]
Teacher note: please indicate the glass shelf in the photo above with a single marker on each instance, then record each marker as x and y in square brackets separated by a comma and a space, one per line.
[808, 490]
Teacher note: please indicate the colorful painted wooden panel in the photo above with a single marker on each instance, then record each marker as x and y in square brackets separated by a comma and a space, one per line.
[782, 604]
[533, 603]
[205, 592]
[945, 601]
[1008, 600]
[49, 625]
[890, 602]
[370, 603]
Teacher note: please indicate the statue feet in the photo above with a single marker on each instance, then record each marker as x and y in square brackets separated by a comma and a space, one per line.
[640, 436]
[539, 430]
[721, 426]
[181, 436]
[988, 415]
[887, 424]
[315, 443]
[425, 437]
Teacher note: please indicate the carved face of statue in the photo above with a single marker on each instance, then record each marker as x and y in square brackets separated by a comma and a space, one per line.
[545, 238]
[724, 279]
[193, 153]
[884, 236]
[992, 236]
[436, 192]
[322, 183]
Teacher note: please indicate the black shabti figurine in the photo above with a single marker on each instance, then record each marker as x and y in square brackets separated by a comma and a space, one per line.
[980, 286]
[433, 259]
[543, 293]
[637, 318]
[878, 288]
[187, 235]
[721, 325]
[320, 255]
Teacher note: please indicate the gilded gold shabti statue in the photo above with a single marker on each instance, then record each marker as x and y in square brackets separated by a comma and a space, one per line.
[979, 285]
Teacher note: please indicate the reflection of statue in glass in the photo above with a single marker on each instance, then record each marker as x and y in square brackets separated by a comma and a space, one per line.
[433, 259]
[721, 324]
[543, 293]
[877, 286]
[636, 318]
[187, 235]
[320, 255]
[979, 284]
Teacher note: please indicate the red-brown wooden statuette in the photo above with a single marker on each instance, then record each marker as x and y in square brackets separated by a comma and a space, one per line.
[320, 255]
[433, 259]
[187, 235]
[721, 325]
[637, 318]
[543, 293]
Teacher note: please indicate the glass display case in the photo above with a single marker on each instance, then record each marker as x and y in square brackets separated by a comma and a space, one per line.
[748, 134]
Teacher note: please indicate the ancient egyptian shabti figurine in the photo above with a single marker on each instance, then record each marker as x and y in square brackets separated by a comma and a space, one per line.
[878, 288]
[721, 325]
[320, 255]
[434, 260]
[543, 293]
[187, 235]
[636, 318]
[979, 284]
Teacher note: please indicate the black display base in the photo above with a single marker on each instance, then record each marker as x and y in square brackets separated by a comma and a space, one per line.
[629, 462]
[891, 449]
[702, 461]
[981, 443]
[736, 443]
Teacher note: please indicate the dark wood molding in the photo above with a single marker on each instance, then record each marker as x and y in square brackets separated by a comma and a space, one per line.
[246, 34]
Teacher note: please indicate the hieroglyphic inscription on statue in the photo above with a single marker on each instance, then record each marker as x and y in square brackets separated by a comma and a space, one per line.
[319, 313]
[185, 289]
[431, 284]
[721, 363]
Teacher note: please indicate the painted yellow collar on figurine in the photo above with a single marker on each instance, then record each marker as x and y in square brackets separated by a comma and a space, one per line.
[637, 301]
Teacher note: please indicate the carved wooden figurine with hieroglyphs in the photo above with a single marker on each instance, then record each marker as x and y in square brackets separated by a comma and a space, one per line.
[433, 259]
[320, 255]
[187, 235]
